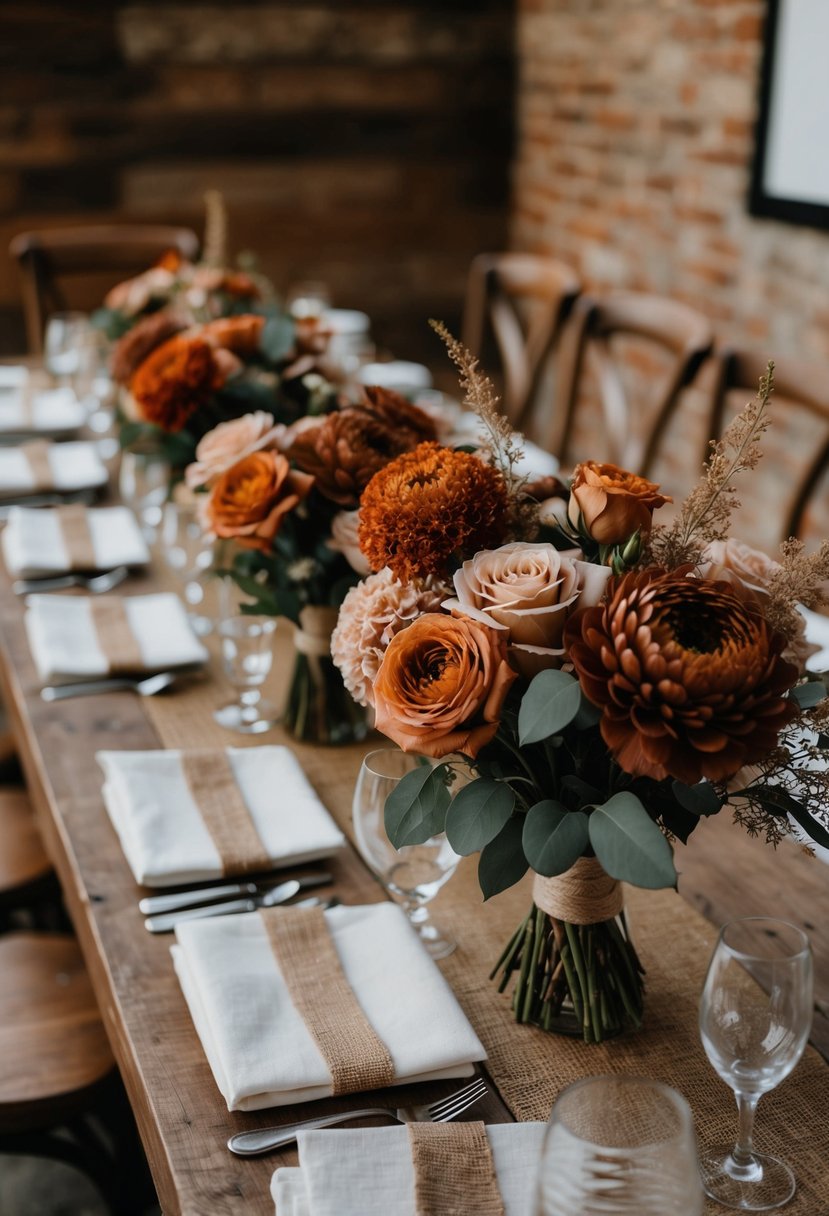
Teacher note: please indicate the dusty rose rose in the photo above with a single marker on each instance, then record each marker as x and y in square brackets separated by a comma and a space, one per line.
[248, 502]
[529, 590]
[344, 539]
[441, 686]
[612, 502]
[133, 295]
[229, 442]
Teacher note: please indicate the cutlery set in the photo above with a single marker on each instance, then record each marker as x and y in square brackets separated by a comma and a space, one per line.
[98, 584]
[163, 912]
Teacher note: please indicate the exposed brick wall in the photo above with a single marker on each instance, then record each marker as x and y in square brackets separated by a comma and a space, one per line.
[364, 142]
[636, 134]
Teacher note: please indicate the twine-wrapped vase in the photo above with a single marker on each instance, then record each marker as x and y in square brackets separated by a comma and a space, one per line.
[319, 709]
[577, 970]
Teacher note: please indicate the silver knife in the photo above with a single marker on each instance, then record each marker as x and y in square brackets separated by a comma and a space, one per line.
[208, 895]
[168, 920]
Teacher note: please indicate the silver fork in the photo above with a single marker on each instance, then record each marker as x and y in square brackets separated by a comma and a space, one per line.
[98, 584]
[251, 1144]
[145, 687]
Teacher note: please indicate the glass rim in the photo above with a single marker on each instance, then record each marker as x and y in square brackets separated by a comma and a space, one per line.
[752, 956]
[388, 751]
[677, 1100]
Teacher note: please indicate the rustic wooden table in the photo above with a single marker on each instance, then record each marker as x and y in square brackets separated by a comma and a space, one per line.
[182, 1118]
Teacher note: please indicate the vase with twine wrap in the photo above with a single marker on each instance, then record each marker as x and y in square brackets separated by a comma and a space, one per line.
[577, 969]
[319, 709]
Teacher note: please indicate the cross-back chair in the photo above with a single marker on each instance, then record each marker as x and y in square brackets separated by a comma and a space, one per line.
[522, 300]
[678, 331]
[51, 259]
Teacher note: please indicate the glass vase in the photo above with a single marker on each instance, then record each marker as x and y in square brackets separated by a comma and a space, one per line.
[575, 967]
[319, 708]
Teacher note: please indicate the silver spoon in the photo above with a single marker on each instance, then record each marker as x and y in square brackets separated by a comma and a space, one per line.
[147, 687]
[98, 584]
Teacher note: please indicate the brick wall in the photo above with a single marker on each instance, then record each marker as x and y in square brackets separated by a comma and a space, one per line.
[636, 132]
[364, 143]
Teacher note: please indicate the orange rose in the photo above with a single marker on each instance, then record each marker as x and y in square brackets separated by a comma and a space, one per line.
[177, 379]
[248, 502]
[239, 334]
[441, 686]
[612, 502]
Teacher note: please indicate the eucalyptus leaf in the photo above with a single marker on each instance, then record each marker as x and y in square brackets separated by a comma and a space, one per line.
[809, 694]
[700, 799]
[278, 337]
[553, 837]
[588, 715]
[629, 844]
[550, 703]
[502, 862]
[477, 814]
[416, 808]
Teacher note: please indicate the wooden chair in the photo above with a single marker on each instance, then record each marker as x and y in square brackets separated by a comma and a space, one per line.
[683, 336]
[50, 257]
[523, 299]
[27, 881]
[800, 388]
[56, 1069]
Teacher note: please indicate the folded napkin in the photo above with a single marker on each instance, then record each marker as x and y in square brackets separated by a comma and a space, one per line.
[369, 1171]
[37, 466]
[40, 542]
[179, 821]
[244, 1004]
[76, 638]
[817, 632]
[28, 406]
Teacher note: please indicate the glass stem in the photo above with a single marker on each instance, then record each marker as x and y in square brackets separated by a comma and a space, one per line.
[743, 1153]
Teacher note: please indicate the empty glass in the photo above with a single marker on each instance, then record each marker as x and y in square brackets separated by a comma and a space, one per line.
[619, 1146]
[143, 483]
[755, 1016]
[247, 654]
[413, 874]
[66, 346]
[308, 298]
[188, 552]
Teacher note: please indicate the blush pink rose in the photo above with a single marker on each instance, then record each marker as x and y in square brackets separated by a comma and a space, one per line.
[229, 442]
[344, 539]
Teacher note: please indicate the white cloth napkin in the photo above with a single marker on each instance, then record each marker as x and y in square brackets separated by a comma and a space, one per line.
[396, 374]
[534, 463]
[164, 836]
[259, 1048]
[65, 645]
[51, 411]
[75, 466]
[369, 1172]
[33, 542]
[817, 632]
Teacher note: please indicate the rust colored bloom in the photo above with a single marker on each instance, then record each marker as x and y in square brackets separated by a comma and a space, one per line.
[248, 502]
[137, 343]
[346, 448]
[170, 260]
[237, 283]
[612, 502]
[428, 507]
[441, 686]
[687, 672]
[175, 381]
[238, 334]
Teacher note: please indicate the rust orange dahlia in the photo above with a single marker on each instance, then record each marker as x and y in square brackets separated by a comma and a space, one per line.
[240, 334]
[137, 343]
[430, 506]
[687, 672]
[175, 380]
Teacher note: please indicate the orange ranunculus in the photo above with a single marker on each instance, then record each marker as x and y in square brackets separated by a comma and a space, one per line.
[613, 503]
[441, 686]
[238, 334]
[248, 502]
[176, 380]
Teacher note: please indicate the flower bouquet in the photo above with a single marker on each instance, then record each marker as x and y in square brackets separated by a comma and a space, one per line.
[610, 682]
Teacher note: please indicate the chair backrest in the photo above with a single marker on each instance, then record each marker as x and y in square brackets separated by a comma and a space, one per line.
[630, 434]
[523, 299]
[800, 411]
[51, 258]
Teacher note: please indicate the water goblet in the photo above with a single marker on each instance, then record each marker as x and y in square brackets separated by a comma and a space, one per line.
[188, 553]
[66, 346]
[143, 484]
[619, 1146]
[247, 653]
[415, 873]
[755, 1016]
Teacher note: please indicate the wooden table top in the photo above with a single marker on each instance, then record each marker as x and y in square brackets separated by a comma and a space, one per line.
[182, 1118]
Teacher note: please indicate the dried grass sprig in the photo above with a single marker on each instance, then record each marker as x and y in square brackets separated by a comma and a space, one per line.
[502, 443]
[706, 513]
[802, 579]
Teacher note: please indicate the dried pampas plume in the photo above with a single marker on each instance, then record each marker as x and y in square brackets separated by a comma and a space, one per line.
[215, 229]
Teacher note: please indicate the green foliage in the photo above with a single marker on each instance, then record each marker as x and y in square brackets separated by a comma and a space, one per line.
[502, 862]
[550, 703]
[416, 808]
[553, 837]
[809, 694]
[278, 337]
[477, 814]
[630, 845]
[701, 799]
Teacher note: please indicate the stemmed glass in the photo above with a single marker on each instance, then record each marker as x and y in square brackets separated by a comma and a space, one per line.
[143, 484]
[413, 874]
[247, 653]
[66, 345]
[188, 552]
[619, 1146]
[755, 1016]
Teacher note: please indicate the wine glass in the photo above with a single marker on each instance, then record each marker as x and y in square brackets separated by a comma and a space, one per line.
[415, 873]
[755, 1016]
[66, 346]
[143, 483]
[188, 553]
[619, 1146]
[247, 653]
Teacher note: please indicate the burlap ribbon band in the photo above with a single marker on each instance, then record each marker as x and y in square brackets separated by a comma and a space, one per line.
[115, 636]
[355, 1055]
[454, 1170]
[584, 895]
[73, 521]
[37, 458]
[209, 775]
[313, 637]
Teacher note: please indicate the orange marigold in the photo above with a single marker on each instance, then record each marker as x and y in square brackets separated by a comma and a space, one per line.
[428, 507]
[175, 381]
